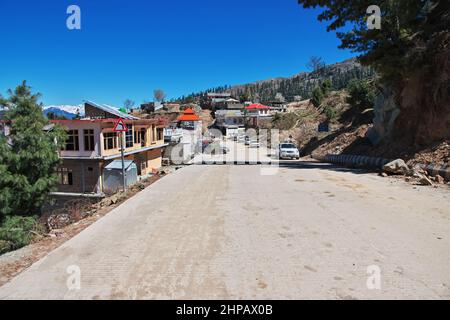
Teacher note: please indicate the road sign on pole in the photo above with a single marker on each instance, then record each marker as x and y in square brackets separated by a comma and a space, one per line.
[121, 127]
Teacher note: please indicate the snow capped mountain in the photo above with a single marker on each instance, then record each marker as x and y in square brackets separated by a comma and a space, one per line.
[67, 111]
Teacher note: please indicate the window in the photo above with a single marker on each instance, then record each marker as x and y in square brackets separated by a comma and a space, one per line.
[142, 133]
[110, 140]
[159, 134]
[89, 142]
[152, 134]
[129, 137]
[139, 136]
[72, 141]
[65, 176]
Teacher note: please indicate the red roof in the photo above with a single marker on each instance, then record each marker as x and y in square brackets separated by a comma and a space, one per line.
[256, 106]
[188, 115]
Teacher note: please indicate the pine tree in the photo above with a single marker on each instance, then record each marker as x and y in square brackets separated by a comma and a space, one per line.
[28, 155]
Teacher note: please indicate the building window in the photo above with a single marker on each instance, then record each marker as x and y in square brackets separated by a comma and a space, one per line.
[139, 136]
[129, 137]
[89, 142]
[72, 141]
[110, 140]
[143, 132]
[159, 134]
[65, 176]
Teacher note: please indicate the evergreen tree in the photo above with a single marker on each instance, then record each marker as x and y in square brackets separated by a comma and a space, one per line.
[28, 154]
[361, 94]
[317, 97]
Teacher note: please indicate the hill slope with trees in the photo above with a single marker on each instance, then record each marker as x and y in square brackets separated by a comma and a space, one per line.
[297, 87]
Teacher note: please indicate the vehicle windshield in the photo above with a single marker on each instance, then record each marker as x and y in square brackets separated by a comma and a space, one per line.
[288, 146]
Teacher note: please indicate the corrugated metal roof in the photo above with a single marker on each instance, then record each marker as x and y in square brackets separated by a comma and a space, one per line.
[117, 165]
[229, 113]
[112, 110]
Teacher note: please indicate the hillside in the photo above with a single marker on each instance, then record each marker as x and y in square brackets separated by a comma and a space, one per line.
[297, 87]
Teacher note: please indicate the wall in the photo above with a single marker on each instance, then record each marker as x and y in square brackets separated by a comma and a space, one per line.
[80, 126]
[85, 176]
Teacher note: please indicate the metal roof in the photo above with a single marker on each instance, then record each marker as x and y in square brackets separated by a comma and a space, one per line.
[117, 165]
[112, 110]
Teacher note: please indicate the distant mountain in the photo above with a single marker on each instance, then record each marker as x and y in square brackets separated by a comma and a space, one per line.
[300, 85]
[66, 111]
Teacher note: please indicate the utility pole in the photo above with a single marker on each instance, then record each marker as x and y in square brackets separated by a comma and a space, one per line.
[120, 128]
[122, 150]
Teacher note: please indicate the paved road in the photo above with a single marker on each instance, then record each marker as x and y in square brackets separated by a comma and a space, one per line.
[238, 151]
[310, 231]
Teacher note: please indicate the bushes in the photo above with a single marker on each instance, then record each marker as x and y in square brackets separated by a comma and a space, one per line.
[17, 231]
[330, 112]
[317, 97]
[361, 94]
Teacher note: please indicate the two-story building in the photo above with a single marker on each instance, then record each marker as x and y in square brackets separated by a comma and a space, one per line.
[256, 112]
[92, 144]
[230, 122]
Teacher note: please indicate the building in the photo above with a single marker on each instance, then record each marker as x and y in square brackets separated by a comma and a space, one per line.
[210, 100]
[92, 145]
[230, 104]
[256, 112]
[150, 107]
[230, 121]
[278, 107]
[187, 133]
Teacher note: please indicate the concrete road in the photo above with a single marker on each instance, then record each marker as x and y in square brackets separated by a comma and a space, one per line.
[238, 151]
[309, 231]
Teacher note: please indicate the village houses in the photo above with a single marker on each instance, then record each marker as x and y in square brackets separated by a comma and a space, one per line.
[92, 145]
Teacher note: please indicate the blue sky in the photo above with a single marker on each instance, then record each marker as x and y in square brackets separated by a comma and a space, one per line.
[128, 48]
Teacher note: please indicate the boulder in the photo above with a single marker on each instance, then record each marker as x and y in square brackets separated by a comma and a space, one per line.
[386, 112]
[396, 167]
[439, 179]
[425, 181]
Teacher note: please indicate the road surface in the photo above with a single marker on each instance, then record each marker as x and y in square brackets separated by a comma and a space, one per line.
[228, 232]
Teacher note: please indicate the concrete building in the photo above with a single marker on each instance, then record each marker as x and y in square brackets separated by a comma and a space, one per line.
[185, 135]
[92, 145]
[210, 100]
[230, 121]
[255, 113]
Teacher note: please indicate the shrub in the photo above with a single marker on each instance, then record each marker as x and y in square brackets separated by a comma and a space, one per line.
[5, 246]
[330, 112]
[361, 94]
[317, 97]
[17, 231]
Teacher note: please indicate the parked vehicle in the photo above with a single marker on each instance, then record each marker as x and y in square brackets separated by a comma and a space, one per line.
[288, 151]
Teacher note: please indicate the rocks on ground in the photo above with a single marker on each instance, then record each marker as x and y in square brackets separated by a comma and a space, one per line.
[396, 167]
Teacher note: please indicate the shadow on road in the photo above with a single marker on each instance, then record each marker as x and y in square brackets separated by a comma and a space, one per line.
[299, 164]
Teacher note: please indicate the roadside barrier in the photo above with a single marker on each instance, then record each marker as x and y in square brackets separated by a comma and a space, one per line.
[378, 163]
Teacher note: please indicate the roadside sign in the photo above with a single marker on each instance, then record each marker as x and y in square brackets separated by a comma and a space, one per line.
[120, 126]
[324, 127]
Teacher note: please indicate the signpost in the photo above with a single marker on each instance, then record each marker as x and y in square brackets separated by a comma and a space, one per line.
[120, 127]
